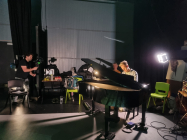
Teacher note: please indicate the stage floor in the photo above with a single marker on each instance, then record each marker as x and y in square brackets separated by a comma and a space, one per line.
[71, 122]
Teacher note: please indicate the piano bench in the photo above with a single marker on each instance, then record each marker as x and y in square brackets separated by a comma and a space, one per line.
[68, 91]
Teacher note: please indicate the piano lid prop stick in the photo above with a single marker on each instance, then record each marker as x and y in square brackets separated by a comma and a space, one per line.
[114, 39]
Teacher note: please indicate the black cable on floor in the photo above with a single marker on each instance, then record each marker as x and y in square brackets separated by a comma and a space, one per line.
[157, 127]
[171, 130]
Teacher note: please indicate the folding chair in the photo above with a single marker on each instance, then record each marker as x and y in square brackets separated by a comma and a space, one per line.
[18, 83]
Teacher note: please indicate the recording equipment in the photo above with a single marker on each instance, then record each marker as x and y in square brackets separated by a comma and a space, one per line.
[51, 69]
[38, 61]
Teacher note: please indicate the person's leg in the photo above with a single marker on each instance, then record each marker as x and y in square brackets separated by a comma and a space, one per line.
[72, 98]
[26, 86]
[15, 98]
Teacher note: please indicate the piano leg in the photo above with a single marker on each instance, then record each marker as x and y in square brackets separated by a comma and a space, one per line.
[116, 112]
[93, 105]
[142, 127]
[108, 135]
[107, 116]
[127, 116]
[93, 111]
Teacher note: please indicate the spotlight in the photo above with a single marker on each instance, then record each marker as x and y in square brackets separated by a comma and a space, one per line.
[162, 58]
[96, 72]
[88, 87]
[145, 85]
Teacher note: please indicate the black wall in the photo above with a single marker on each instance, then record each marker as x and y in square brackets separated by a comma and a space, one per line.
[159, 26]
[6, 57]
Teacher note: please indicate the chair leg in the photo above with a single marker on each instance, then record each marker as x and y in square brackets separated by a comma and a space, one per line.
[154, 101]
[137, 110]
[66, 96]
[7, 100]
[10, 104]
[42, 96]
[164, 105]
[23, 99]
[133, 112]
[148, 102]
[69, 96]
[168, 102]
[80, 98]
[28, 101]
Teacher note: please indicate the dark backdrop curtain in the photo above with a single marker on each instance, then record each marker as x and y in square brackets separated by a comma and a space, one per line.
[20, 23]
[159, 26]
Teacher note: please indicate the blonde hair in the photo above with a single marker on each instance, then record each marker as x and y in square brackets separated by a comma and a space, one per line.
[124, 63]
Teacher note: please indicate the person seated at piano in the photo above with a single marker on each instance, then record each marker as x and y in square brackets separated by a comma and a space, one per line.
[126, 70]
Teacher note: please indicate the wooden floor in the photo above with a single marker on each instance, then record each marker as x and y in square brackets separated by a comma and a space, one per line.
[71, 121]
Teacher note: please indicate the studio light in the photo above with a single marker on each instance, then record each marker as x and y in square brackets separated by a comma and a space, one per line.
[96, 72]
[145, 85]
[88, 87]
[162, 58]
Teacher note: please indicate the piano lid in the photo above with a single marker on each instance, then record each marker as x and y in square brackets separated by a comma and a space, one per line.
[123, 80]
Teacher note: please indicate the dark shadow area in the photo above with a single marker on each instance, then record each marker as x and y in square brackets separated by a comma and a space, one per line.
[137, 136]
[124, 48]
[159, 26]
[47, 107]
[6, 57]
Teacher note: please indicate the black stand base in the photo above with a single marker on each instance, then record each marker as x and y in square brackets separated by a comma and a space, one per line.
[110, 135]
[140, 128]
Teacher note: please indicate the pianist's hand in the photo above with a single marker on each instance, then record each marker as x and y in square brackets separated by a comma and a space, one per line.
[115, 66]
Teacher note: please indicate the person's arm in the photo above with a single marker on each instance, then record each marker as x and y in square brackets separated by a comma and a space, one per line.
[115, 68]
[33, 75]
[135, 76]
[25, 69]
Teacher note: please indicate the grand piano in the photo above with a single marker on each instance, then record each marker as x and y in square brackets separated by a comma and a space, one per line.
[120, 91]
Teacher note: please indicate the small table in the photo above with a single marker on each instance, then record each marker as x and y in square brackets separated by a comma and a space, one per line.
[51, 85]
[180, 99]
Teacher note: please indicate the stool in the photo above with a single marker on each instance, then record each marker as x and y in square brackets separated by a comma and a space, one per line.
[74, 91]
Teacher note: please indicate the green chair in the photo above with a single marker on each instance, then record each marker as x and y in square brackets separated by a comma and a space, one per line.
[69, 90]
[161, 92]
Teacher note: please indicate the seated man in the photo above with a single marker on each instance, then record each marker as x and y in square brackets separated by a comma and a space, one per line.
[126, 70]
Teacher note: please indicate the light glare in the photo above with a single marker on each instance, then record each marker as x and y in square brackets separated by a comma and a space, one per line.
[162, 58]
